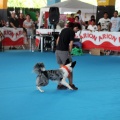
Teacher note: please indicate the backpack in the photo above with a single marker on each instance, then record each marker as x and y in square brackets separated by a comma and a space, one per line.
[76, 51]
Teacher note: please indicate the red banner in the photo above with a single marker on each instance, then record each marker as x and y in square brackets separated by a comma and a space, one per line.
[12, 37]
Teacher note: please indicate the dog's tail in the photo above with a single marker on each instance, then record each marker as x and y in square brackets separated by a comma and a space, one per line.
[38, 68]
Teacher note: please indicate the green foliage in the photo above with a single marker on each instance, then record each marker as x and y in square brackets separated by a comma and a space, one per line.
[27, 3]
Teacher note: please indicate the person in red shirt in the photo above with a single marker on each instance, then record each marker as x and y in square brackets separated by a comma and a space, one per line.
[71, 18]
[21, 20]
[91, 18]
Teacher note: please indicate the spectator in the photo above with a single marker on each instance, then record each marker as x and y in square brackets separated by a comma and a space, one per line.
[14, 23]
[91, 18]
[92, 27]
[2, 23]
[105, 26]
[71, 18]
[80, 17]
[115, 22]
[60, 25]
[29, 26]
[38, 20]
[64, 46]
[86, 25]
[21, 20]
[105, 22]
[77, 19]
[115, 26]
[99, 27]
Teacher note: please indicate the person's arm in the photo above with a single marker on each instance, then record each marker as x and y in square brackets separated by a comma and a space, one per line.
[32, 24]
[57, 41]
[110, 26]
[70, 46]
[12, 25]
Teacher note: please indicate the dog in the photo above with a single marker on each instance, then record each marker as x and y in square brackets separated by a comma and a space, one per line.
[59, 75]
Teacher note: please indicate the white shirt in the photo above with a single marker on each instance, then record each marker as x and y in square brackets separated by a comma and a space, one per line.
[92, 28]
[29, 30]
[105, 24]
[115, 24]
[80, 17]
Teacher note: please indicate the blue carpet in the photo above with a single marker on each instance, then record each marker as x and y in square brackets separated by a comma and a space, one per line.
[97, 77]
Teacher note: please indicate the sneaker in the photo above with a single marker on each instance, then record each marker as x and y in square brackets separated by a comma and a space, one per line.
[14, 48]
[73, 87]
[61, 87]
[10, 48]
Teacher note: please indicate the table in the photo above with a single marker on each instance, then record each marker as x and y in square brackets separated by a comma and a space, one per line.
[44, 33]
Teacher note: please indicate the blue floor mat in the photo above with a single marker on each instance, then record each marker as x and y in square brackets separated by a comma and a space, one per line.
[97, 77]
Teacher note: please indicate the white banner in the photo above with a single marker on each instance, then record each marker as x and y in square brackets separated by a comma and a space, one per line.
[106, 40]
[11, 33]
[100, 37]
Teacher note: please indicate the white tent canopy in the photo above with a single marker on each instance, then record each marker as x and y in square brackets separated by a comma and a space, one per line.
[72, 6]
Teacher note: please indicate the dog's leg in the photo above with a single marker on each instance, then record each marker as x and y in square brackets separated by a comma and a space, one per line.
[66, 84]
[39, 88]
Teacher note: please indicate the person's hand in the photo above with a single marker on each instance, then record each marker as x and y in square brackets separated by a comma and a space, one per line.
[15, 28]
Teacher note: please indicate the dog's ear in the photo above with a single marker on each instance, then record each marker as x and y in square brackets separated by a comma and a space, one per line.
[67, 61]
[73, 64]
[41, 65]
[36, 65]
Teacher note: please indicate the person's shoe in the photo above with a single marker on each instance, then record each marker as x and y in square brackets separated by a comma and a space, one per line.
[14, 48]
[101, 53]
[61, 87]
[10, 48]
[74, 87]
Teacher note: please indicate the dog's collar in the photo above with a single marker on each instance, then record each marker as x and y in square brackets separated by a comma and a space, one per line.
[67, 70]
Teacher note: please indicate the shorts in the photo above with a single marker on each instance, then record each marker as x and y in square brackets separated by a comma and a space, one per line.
[62, 56]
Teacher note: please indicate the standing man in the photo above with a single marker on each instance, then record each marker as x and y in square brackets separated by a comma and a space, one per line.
[105, 26]
[64, 46]
[80, 17]
[115, 25]
[14, 23]
[104, 22]
[115, 22]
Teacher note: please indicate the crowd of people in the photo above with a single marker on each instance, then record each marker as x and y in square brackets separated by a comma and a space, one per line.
[104, 24]
[29, 26]
[21, 21]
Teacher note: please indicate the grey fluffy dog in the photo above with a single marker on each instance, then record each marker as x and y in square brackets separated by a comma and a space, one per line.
[59, 75]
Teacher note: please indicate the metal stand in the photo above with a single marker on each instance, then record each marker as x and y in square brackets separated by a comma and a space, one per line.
[53, 40]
